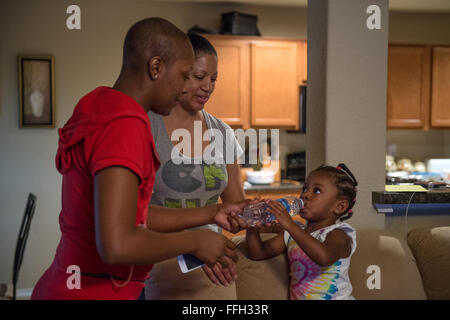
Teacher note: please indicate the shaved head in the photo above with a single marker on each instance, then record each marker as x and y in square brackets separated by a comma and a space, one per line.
[153, 37]
[157, 60]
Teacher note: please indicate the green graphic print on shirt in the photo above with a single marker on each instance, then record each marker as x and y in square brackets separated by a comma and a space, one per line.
[213, 176]
[184, 182]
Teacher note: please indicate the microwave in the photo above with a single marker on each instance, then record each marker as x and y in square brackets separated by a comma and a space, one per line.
[296, 166]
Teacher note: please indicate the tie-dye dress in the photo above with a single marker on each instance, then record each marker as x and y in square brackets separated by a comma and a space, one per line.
[313, 282]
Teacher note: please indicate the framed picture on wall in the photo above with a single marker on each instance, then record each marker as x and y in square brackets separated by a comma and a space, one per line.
[36, 91]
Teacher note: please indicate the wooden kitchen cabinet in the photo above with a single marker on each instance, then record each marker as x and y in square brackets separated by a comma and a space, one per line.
[440, 87]
[408, 91]
[274, 84]
[258, 81]
[231, 97]
[418, 87]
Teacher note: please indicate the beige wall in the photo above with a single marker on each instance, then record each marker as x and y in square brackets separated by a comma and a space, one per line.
[447, 143]
[419, 145]
[347, 72]
[84, 59]
[419, 28]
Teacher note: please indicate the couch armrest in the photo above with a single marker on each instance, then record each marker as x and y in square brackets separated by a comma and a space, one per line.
[263, 279]
[431, 248]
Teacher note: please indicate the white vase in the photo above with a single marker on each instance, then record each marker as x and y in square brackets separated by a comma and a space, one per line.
[37, 103]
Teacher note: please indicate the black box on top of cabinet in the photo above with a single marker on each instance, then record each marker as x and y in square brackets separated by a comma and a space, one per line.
[239, 24]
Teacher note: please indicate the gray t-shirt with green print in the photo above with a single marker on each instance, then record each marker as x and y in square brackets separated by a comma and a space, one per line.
[196, 182]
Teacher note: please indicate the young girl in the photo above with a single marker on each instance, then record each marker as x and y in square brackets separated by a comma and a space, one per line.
[319, 252]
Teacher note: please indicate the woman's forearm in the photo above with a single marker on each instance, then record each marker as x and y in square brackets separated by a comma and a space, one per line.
[234, 191]
[163, 219]
[158, 247]
[119, 241]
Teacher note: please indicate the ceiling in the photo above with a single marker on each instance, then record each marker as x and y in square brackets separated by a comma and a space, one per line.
[397, 5]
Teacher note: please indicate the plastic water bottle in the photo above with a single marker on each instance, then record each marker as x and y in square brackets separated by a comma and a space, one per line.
[259, 212]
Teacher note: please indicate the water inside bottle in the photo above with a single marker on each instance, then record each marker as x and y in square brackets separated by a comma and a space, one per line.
[259, 212]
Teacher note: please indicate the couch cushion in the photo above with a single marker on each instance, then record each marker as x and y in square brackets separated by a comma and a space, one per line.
[431, 248]
[261, 280]
[400, 278]
[167, 282]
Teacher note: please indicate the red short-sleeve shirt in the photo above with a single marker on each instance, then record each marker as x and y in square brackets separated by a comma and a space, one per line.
[108, 128]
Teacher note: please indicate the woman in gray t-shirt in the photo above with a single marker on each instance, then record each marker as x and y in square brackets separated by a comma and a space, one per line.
[198, 155]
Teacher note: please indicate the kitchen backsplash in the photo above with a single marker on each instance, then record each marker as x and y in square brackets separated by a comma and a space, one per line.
[418, 145]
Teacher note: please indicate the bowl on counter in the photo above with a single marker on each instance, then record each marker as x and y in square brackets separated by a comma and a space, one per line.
[261, 177]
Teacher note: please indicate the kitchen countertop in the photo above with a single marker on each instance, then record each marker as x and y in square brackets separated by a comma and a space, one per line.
[276, 186]
[435, 201]
[432, 196]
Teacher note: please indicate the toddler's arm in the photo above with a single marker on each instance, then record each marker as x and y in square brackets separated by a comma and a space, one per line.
[337, 244]
[259, 250]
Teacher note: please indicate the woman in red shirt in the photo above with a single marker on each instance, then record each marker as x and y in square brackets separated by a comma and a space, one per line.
[103, 155]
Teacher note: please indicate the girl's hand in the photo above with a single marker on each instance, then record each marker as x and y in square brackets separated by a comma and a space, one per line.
[280, 213]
